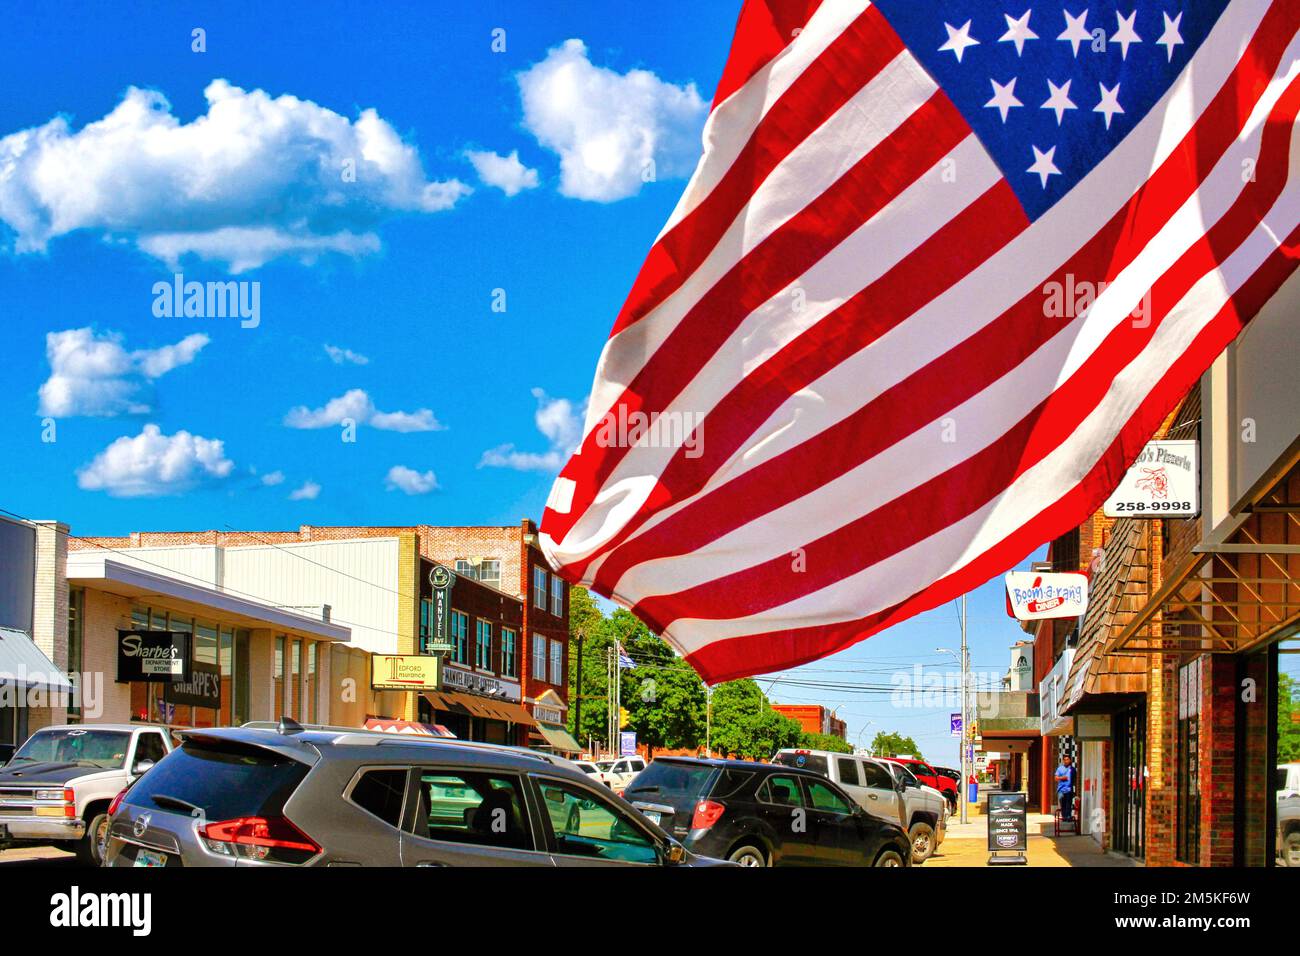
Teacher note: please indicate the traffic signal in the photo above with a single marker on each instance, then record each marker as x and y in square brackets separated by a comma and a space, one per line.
[624, 718]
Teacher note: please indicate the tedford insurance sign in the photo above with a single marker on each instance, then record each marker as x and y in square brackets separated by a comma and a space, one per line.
[404, 672]
[1164, 482]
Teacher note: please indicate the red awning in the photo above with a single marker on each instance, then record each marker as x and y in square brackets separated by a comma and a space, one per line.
[407, 727]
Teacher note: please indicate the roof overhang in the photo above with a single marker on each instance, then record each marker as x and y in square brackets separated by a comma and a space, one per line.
[92, 570]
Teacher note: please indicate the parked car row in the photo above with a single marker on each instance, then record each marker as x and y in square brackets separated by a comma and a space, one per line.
[287, 795]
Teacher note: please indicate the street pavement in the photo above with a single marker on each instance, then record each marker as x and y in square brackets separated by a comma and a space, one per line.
[42, 856]
[967, 845]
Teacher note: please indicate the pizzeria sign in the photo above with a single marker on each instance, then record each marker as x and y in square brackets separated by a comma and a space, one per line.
[1164, 482]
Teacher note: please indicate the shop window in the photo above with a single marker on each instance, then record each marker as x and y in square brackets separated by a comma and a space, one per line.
[509, 660]
[76, 646]
[483, 645]
[295, 680]
[539, 587]
[381, 793]
[475, 808]
[277, 679]
[313, 693]
[460, 637]
[537, 667]
[426, 623]
[1188, 775]
[557, 663]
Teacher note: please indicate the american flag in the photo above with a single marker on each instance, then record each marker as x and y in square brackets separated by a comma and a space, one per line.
[943, 269]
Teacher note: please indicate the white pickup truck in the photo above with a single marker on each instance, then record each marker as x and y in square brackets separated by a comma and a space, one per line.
[884, 789]
[57, 787]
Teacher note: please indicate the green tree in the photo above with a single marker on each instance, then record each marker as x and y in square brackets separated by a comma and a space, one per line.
[746, 726]
[889, 744]
[666, 705]
[1288, 719]
[825, 742]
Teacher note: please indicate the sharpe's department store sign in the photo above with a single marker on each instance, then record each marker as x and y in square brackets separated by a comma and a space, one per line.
[1164, 482]
[153, 656]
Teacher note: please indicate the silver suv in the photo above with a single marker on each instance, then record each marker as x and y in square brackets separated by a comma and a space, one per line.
[297, 796]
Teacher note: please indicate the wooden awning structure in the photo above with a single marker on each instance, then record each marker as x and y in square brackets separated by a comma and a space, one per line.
[1118, 591]
[1232, 597]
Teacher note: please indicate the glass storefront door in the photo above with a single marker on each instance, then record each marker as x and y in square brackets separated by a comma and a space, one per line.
[1129, 798]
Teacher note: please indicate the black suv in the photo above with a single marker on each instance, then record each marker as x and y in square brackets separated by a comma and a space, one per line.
[254, 796]
[763, 815]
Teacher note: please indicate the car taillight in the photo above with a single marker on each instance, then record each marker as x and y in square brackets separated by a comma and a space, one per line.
[706, 814]
[269, 839]
[117, 802]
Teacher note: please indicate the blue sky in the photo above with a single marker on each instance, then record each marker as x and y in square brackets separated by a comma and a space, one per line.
[472, 407]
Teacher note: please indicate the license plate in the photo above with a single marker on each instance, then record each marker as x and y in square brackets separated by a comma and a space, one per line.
[149, 858]
[653, 817]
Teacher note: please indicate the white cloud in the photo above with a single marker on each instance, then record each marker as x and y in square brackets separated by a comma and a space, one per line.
[357, 405]
[559, 420]
[254, 178]
[401, 478]
[608, 127]
[309, 491]
[339, 356]
[273, 478]
[94, 374]
[506, 173]
[152, 464]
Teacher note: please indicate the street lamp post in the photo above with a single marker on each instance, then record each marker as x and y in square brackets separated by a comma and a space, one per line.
[963, 661]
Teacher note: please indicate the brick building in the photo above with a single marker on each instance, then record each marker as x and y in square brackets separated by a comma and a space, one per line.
[813, 718]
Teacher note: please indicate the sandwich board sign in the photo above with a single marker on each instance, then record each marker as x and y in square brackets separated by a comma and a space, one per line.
[1008, 828]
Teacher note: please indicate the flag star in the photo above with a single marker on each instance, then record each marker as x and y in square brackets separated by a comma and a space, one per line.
[1126, 35]
[1018, 32]
[1043, 164]
[1109, 104]
[958, 39]
[1060, 100]
[1171, 37]
[1076, 31]
[1004, 97]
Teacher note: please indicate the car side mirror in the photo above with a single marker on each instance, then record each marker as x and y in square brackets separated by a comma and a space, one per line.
[675, 853]
[142, 766]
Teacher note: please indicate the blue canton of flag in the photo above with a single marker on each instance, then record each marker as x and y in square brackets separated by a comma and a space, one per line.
[624, 661]
[1051, 88]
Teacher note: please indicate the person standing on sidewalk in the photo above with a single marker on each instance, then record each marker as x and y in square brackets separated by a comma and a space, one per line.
[1065, 780]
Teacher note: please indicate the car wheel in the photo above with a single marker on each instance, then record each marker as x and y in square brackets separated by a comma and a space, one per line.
[922, 837]
[748, 855]
[889, 858]
[90, 850]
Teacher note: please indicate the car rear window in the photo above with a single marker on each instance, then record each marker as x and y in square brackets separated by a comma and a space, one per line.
[812, 762]
[672, 782]
[223, 782]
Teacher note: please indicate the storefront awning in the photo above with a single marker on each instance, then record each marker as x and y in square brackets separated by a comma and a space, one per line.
[25, 664]
[473, 705]
[558, 738]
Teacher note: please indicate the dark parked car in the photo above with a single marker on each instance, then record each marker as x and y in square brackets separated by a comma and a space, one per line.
[300, 796]
[764, 815]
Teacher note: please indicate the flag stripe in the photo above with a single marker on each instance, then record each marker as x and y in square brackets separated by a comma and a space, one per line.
[817, 94]
[763, 30]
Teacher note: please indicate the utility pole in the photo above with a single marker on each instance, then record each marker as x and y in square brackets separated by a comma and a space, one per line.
[708, 721]
[965, 716]
[577, 704]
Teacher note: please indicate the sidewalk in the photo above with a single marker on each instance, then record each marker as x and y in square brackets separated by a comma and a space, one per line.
[967, 845]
